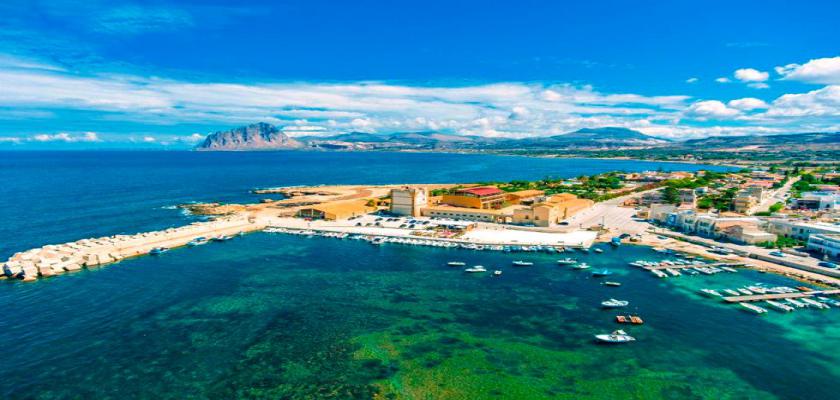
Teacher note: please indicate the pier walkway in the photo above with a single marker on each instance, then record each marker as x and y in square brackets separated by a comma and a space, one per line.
[778, 296]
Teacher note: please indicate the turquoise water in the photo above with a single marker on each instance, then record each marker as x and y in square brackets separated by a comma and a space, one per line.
[276, 316]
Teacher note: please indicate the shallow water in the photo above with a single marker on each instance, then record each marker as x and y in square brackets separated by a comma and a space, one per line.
[277, 316]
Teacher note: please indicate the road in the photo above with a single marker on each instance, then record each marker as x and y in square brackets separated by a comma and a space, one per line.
[778, 196]
[612, 215]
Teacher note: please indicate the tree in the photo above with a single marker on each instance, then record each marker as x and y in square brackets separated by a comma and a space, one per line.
[671, 195]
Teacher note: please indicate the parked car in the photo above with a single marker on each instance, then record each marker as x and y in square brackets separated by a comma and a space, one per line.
[827, 264]
[777, 254]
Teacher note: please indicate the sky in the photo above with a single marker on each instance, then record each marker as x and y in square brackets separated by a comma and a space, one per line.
[164, 74]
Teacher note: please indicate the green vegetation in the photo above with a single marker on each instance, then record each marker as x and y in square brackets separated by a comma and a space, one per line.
[782, 242]
[720, 201]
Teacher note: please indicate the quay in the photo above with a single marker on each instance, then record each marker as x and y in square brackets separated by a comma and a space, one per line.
[57, 259]
[778, 296]
[717, 265]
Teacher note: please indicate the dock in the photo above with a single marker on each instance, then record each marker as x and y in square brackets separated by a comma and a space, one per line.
[779, 296]
[716, 265]
[57, 259]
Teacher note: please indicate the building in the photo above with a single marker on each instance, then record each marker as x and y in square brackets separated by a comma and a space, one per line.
[661, 212]
[801, 230]
[336, 210]
[825, 244]
[744, 202]
[464, 213]
[524, 196]
[688, 196]
[483, 197]
[649, 198]
[409, 201]
[745, 233]
[551, 210]
[818, 201]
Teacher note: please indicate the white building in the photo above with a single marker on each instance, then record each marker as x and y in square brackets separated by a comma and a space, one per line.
[818, 201]
[801, 230]
[408, 201]
[826, 244]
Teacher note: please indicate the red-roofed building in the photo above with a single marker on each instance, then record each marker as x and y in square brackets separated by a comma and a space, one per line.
[484, 197]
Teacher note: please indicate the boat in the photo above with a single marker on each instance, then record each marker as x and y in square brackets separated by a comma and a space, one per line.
[497, 272]
[629, 319]
[814, 303]
[600, 273]
[610, 283]
[519, 263]
[710, 292]
[729, 269]
[618, 336]
[477, 268]
[753, 308]
[566, 261]
[580, 266]
[658, 273]
[673, 271]
[779, 306]
[456, 264]
[731, 292]
[745, 291]
[598, 250]
[796, 303]
[221, 238]
[197, 241]
[158, 250]
[616, 241]
[613, 303]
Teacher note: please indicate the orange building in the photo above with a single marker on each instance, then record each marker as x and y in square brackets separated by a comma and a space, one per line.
[483, 197]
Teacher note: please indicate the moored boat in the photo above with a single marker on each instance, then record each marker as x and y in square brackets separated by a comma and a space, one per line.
[629, 319]
[753, 308]
[613, 303]
[456, 264]
[158, 250]
[610, 283]
[779, 306]
[520, 263]
[497, 273]
[566, 261]
[580, 266]
[618, 336]
[477, 268]
[600, 273]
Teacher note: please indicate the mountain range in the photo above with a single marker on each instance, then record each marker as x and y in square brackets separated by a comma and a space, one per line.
[263, 136]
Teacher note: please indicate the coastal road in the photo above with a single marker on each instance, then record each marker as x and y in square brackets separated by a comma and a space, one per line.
[778, 196]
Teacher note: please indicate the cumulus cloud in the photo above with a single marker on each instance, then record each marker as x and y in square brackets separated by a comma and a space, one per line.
[691, 80]
[751, 75]
[66, 137]
[149, 139]
[823, 102]
[723, 79]
[712, 109]
[747, 104]
[821, 70]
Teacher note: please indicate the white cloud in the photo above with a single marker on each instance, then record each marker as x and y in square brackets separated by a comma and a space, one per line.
[149, 139]
[758, 85]
[823, 102]
[66, 137]
[712, 109]
[751, 75]
[723, 79]
[747, 104]
[691, 80]
[821, 70]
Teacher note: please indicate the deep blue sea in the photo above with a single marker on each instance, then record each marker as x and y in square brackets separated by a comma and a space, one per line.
[281, 317]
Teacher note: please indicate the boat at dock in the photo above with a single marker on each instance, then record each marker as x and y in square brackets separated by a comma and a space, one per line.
[795, 303]
[629, 319]
[673, 272]
[814, 303]
[158, 250]
[601, 273]
[519, 263]
[610, 283]
[658, 273]
[710, 292]
[618, 336]
[456, 264]
[197, 241]
[731, 292]
[616, 241]
[729, 269]
[613, 303]
[745, 291]
[566, 261]
[753, 308]
[477, 268]
[598, 250]
[779, 306]
[221, 238]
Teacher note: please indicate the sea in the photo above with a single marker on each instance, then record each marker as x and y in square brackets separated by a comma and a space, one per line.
[273, 316]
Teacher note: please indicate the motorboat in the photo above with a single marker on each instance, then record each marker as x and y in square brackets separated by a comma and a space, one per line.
[580, 266]
[519, 263]
[753, 308]
[197, 241]
[497, 272]
[779, 306]
[456, 264]
[566, 261]
[158, 250]
[610, 283]
[601, 273]
[618, 336]
[597, 250]
[477, 268]
[629, 319]
[710, 292]
[613, 303]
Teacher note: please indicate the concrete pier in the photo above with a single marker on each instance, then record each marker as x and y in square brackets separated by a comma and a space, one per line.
[51, 260]
[778, 296]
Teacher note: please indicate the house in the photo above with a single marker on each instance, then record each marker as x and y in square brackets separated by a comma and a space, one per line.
[818, 201]
[801, 230]
[408, 200]
[524, 196]
[825, 244]
[336, 210]
[482, 197]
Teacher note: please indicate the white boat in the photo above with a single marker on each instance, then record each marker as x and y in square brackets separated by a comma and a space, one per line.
[566, 261]
[658, 273]
[673, 272]
[610, 283]
[497, 272]
[779, 306]
[519, 263]
[618, 336]
[729, 269]
[613, 303]
[477, 268]
[710, 292]
[796, 303]
[745, 291]
[580, 266]
[597, 250]
[753, 308]
[731, 292]
[814, 303]
[456, 264]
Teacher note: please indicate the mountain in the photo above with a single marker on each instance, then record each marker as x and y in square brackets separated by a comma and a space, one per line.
[772, 142]
[259, 136]
[393, 141]
[587, 138]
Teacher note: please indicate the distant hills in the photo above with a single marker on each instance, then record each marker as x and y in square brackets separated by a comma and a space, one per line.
[263, 136]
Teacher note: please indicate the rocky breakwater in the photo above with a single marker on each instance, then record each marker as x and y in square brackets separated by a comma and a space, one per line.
[55, 259]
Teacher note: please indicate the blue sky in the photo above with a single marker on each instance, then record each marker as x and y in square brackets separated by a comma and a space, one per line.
[164, 74]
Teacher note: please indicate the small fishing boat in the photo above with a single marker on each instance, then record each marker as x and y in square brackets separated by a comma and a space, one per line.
[158, 250]
[796, 303]
[710, 292]
[610, 283]
[658, 273]
[497, 273]
[598, 250]
[519, 263]
[477, 268]
[613, 303]
[601, 273]
[618, 336]
[673, 272]
[566, 261]
[197, 241]
[729, 269]
[779, 306]
[814, 303]
[580, 266]
[616, 241]
[456, 264]
[731, 292]
[745, 291]
[753, 308]
[629, 319]
[221, 238]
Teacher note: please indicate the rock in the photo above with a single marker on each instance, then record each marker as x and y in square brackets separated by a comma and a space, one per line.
[260, 136]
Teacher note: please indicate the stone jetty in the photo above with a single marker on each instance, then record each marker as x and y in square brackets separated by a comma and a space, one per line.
[57, 259]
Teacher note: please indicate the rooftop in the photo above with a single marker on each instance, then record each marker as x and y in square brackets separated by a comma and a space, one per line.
[481, 191]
